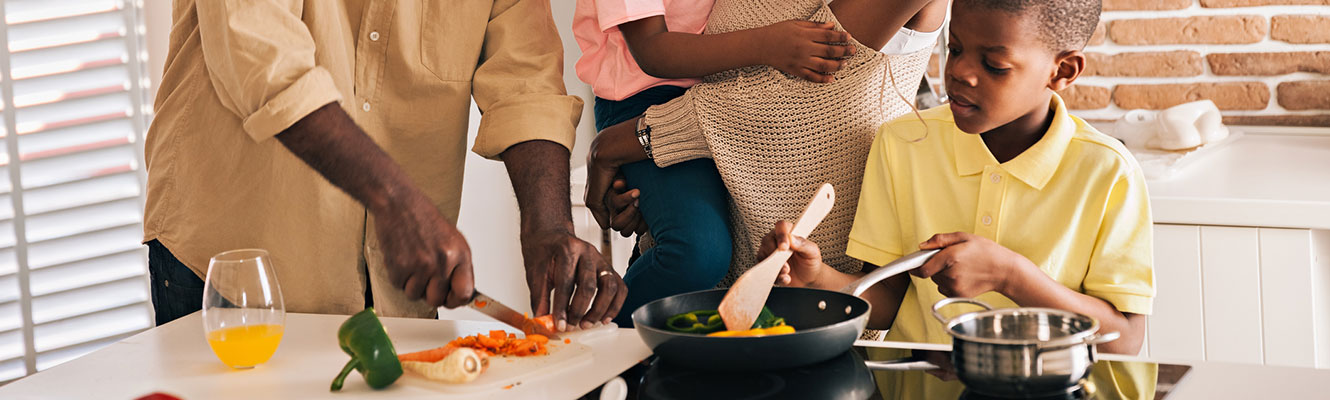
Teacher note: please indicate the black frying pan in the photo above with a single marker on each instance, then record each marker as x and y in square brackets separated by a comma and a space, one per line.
[826, 324]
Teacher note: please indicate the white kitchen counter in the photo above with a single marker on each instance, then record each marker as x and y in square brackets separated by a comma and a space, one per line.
[1270, 177]
[175, 359]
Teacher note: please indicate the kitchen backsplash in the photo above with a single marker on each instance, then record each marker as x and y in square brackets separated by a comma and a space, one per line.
[1263, 62]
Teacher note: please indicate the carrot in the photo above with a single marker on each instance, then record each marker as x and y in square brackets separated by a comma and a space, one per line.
[546, 321]
[567, 341]
[431, 355]
[499, 342]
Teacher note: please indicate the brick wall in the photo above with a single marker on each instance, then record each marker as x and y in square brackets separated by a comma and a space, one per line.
[1263, 62]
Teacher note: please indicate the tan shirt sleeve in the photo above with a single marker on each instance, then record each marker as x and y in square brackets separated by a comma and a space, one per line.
[260, 59]
[676, 135]
[518, 85]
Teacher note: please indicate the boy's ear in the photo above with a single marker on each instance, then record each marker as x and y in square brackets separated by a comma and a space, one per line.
[1070, 64]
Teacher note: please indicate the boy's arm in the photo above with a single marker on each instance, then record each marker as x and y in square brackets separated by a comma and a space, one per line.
[800, 48]
[1033, 288]
[970, 265]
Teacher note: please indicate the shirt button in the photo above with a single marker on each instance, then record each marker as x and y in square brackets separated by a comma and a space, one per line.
[374, 36]
[987, 220]
[365, 106]
[997, 178]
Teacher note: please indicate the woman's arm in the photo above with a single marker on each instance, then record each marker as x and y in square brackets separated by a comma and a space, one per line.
[874, 22]
[805, 49]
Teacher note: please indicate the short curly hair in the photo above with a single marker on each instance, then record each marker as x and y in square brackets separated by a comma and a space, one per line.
[1063, 24]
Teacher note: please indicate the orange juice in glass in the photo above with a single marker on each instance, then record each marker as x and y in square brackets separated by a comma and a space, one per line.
[243, 313]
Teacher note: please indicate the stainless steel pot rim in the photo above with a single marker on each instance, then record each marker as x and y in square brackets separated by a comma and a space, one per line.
[850, 319]
[1069, 340]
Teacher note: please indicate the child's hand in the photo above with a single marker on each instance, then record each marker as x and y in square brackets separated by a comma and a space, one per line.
[968, 265]
[805, 49]
[625, 217]
[804, 266]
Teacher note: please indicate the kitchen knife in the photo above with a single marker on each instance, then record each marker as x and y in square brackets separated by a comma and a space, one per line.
[493, 308]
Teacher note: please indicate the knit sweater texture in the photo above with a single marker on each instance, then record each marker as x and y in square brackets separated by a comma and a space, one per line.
[775, 138]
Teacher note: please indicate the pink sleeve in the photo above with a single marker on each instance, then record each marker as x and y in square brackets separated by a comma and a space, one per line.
[612, 13]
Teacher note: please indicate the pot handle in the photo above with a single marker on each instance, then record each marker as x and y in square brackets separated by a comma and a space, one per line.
[906, 263]
[1101, 338]
[955, 300]
[901, 364]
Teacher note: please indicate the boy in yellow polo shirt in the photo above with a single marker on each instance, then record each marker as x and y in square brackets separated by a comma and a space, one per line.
[1030, 205]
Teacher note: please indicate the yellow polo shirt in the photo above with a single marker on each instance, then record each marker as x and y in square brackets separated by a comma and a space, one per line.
[1075, 204]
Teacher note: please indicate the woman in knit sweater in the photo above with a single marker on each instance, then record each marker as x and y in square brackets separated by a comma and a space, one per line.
[774, 137]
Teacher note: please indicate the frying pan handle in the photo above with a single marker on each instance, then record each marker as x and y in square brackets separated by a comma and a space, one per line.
[954, 300]
[901, 364]
[909, 262]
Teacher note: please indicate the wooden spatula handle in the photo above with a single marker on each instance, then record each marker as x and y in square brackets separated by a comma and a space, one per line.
[818, 208]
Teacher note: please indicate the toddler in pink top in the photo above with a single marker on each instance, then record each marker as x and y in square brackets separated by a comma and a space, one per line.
[639, 53]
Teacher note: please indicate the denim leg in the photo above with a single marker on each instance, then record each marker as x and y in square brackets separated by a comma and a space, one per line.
[176, 290]
[686, 207]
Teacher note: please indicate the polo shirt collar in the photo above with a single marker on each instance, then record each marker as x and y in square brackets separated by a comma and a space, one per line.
[1035, 166]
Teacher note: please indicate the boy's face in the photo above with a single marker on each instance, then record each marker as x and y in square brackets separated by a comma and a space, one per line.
[998, 70]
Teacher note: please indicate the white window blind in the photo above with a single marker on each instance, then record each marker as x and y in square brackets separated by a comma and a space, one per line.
[72, 271]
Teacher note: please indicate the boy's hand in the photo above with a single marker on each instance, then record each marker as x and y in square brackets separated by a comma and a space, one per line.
[804, 266]
[968, 265]
[805, 49]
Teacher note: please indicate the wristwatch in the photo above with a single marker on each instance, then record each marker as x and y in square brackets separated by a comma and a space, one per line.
[644, 136]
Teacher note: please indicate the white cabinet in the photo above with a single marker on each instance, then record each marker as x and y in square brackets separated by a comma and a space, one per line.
[1241, 294]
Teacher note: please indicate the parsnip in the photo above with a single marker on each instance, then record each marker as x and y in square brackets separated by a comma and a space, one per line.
[461, 366]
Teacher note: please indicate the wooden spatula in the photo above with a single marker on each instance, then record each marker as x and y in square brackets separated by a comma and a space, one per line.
[744, 300]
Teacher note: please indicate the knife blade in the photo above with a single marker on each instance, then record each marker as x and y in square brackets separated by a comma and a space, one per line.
[494, 309]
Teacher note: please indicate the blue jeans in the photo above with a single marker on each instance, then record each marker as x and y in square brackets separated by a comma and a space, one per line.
[686, 208]
[176, 290]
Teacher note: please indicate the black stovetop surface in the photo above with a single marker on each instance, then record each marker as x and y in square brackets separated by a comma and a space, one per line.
[843, 377]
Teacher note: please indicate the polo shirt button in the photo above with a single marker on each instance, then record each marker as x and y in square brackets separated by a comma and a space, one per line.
[365, 106]
[374, 36]
[997, 178]
[988, 220]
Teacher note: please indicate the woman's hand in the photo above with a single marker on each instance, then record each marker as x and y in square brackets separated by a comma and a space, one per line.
[969, 264]
[804, 267]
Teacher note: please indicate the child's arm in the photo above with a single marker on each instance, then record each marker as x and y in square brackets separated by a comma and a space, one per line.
[806, 269]
[970, 265]
[800, 48]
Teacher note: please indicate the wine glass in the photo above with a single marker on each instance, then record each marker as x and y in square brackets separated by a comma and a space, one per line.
[243, 313]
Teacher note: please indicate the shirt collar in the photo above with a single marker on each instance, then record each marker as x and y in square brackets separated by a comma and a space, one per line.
[1035, 166]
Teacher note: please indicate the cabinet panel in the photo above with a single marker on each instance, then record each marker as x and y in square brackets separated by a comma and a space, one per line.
[1286, 294]
[1176, 329]
[1321, 296]
[1230, 283]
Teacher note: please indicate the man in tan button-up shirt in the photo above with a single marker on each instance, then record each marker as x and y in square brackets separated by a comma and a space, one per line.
[333, 134]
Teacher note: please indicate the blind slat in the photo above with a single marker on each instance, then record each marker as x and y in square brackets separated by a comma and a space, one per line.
[89, 328]
[74, 110]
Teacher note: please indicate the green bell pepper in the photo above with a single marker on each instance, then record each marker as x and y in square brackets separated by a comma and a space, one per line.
[708, 321]
[700, 322]
[363, 338]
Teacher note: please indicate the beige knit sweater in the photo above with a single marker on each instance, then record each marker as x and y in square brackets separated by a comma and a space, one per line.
[775, 138]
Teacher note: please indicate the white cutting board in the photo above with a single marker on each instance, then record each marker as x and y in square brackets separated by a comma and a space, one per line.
[511, 371]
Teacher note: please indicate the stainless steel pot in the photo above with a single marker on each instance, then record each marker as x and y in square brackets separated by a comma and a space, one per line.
[1021, 351]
